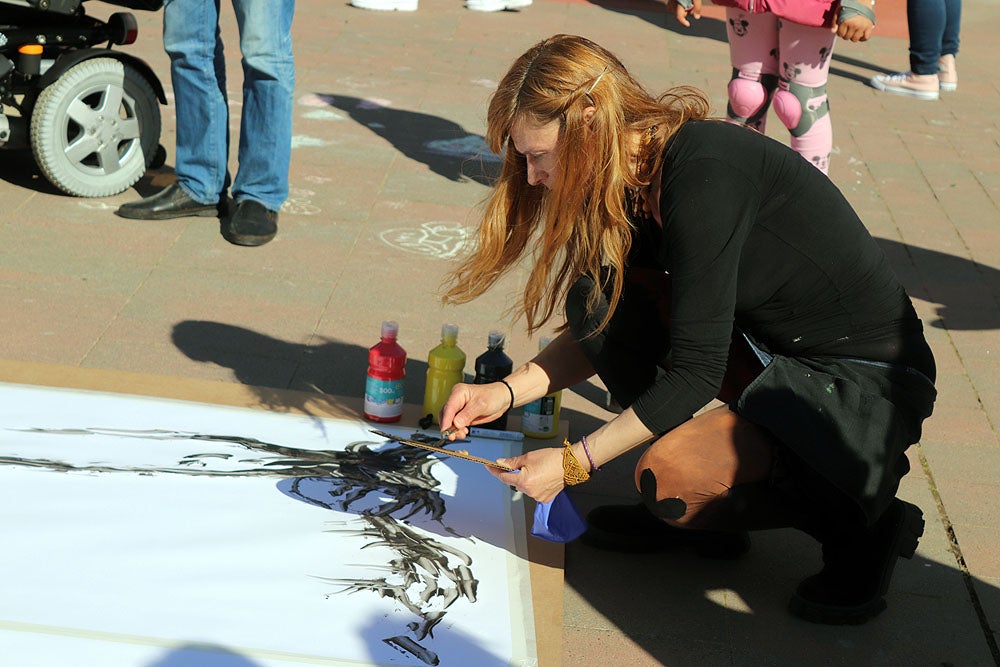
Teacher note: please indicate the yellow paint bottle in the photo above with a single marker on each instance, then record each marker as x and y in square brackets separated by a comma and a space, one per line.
[445, 368]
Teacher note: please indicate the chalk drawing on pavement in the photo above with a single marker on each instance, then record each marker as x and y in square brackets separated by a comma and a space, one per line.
[315, 100]
[323, 114]
[304, 140]
[299, 202]
[470, 146]
[438, 239]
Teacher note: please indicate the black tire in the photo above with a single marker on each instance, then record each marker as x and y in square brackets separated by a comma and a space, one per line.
[95, 130]
[159, 158]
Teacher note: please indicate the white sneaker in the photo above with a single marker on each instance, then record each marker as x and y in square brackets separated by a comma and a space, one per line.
[921, 86]
[386, 5]
[495, 5]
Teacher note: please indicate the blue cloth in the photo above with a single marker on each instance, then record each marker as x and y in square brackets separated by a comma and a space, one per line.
[192, 39]
[558, 520]
[933, 27]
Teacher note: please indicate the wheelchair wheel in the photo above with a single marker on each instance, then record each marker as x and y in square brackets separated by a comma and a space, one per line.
[95, 130]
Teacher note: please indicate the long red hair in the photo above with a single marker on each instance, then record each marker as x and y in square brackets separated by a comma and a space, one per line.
[583, 223]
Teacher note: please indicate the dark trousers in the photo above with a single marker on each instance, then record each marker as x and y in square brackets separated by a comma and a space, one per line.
[933, 27]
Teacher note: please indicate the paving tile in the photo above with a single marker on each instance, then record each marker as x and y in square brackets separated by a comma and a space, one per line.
[960, 425]
[174, 359]
[221, 314]
[962, 463]
[379, 210]
[978, 546]
[590, 647]
[972, 504]
[55, 321]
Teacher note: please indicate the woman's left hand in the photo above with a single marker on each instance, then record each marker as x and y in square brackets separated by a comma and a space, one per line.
[539, 474]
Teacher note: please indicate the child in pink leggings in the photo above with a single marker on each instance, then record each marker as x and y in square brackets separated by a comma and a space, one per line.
[780, 52]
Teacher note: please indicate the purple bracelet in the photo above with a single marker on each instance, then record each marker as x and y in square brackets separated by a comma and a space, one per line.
[586, 450]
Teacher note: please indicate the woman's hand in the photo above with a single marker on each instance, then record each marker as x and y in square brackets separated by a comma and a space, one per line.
[539, 474]
[471, 404]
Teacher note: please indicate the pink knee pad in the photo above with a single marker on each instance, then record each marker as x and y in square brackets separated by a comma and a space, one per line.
[788, 108]
[746, 97]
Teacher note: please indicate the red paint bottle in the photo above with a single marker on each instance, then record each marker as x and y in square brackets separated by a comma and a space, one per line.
[386, 370]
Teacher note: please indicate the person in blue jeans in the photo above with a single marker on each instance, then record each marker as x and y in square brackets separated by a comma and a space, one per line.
[192, 39]
[933, 27]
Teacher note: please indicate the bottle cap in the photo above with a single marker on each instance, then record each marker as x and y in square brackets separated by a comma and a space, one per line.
[390, 329]
[495, 340]
[449, 334]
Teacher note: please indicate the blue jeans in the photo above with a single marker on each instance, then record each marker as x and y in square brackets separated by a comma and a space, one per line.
[933, 26]
[192, 39]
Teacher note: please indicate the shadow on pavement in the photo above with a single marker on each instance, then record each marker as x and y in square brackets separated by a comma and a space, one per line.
[262, 362]
[18, 167]
[961, 306]
[717, 612]
[443, 145]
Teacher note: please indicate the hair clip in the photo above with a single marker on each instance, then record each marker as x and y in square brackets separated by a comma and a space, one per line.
[599, 77]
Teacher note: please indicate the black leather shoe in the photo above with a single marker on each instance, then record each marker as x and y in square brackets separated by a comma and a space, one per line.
[250, 223]
[170, 202]
[857, 570]
[633, 529]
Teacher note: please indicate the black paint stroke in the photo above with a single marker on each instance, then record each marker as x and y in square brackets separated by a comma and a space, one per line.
[430, 570]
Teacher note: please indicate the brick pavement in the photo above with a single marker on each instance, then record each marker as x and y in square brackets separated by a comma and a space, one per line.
[377, 209]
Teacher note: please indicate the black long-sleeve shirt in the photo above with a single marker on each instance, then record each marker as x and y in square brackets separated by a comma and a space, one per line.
[756, 237]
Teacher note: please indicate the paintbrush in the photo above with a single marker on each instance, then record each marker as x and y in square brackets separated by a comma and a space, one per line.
[462, 454]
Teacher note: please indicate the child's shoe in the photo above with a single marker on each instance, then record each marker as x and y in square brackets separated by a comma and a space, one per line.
[386, 5]
[947, 73]
[495, 5]
[921, 86]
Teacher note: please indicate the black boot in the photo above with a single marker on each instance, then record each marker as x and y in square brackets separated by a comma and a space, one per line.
[633, 529]
[857, 569]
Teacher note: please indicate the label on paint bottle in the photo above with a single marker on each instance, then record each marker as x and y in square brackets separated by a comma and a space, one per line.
[384, 398]
[539, 417]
